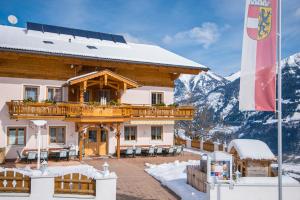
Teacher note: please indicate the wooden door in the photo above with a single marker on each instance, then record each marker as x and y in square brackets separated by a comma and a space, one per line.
[91, 142]
[103, 142]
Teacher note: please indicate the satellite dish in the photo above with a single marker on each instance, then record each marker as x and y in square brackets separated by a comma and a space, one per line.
[12, 19]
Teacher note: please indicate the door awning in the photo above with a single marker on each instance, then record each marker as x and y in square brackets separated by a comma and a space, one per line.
[104, 78]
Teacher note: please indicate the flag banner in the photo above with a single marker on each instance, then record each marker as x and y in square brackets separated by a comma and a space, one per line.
[258, 68]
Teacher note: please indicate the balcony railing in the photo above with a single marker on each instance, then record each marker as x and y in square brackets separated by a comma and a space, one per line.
[76, 111]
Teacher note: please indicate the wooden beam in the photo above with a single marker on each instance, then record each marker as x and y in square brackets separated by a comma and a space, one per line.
[100, 82]
[81, 93]
[118, 135]
[84, 86]
[105, 79]
[113, 86]
[125, 87]
[80, 134]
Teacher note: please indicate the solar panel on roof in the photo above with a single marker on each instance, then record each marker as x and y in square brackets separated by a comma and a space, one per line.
[75, 32]
[119, 38]
[106, 36]
[34, 26]
[51, 29]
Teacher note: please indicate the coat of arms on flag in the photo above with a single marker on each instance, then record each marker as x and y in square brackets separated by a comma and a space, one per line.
[259, 21]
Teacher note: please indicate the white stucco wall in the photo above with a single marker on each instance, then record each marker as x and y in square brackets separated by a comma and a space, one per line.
[142, 95]
[253, 192]
[13, 89]
[143, 137]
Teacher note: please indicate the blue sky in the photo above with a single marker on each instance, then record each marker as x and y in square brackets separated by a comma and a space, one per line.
[208, 32]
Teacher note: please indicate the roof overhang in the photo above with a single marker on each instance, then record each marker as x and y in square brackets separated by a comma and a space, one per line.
[104, 76]
[193, 69]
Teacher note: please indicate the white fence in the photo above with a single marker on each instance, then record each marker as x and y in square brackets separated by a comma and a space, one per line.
[252, 192]
[91, 184]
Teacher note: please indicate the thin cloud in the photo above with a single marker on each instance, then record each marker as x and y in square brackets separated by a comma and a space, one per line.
[206, 34]
[297, 13]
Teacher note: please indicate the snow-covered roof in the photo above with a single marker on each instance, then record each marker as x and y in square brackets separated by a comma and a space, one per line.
[251, 149]
[220, 156]
[21, 39]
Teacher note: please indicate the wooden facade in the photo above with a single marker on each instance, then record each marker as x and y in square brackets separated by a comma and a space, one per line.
[38, 66]
[251, 167]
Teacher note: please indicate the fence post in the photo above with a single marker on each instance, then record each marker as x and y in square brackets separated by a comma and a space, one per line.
[216, 146]
[42, 188]
[188, 143]
[106, 187]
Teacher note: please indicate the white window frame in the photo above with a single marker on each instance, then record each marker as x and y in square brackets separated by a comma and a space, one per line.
[32, 86]
[162, 133]
[54, 87]
[136, 135]
[157, 92]
[15, 126]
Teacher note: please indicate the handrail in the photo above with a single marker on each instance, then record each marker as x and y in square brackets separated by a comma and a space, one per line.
[70, 109]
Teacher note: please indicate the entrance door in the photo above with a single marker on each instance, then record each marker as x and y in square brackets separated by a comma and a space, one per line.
[91, 144]
[96, 142]
[103, 142]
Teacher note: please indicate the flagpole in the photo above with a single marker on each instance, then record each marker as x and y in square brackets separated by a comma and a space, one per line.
[279, 107]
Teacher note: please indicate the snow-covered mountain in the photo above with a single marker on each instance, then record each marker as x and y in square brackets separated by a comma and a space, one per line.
[216, 100]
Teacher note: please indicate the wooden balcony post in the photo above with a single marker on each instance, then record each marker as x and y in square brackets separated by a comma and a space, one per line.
[118, 135]
[80, 133]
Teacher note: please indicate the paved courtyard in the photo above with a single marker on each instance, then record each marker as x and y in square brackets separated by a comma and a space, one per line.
[133, 182]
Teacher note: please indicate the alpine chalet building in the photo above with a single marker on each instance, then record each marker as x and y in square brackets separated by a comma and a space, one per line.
[96, 91]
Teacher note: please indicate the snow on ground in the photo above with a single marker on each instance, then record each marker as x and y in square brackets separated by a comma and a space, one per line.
[194, 151]
[173, 175]
[86, 170]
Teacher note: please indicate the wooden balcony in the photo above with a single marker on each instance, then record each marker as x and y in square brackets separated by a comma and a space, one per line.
[77, 112]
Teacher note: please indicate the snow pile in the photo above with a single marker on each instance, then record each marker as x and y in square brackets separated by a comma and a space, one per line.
[86, 170]
[251, 149]
[173, 176]
[220, 156]
[286, 180]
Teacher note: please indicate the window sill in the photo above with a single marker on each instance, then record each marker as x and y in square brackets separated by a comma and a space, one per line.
[74, 196]
[16, 145]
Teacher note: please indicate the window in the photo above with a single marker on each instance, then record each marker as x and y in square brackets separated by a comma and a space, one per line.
[156, 132]
[16, 136]
[92, 136]
[130, 132]
[87, 96]
[54, 94]
[31, 93]
[104, 94]
[157, 98]
[57, 134]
